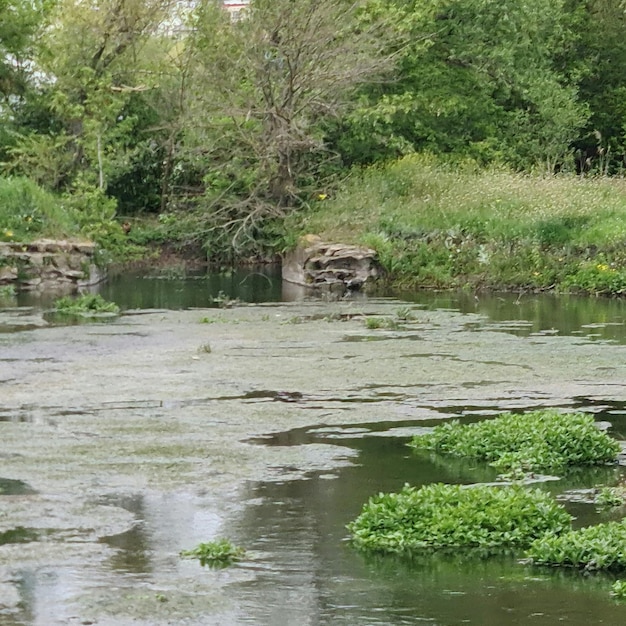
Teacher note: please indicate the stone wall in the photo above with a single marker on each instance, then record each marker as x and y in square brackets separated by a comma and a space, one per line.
[334, 267]
[48, 265]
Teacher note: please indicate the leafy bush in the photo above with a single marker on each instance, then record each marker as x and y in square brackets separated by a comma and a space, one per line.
[600, 547]
[597, 277]
[218, 553]
[453, 516]
[543, 440]
[85, 305]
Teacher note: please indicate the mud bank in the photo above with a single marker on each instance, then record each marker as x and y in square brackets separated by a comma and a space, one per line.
[137, 435]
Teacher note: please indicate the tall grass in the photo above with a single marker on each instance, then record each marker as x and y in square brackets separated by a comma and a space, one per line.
[439, 225]
[28, 212]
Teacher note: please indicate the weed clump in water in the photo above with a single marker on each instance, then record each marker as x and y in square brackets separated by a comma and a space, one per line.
[452, 516]
[599, 547]
[618, 590]
[85, 305]
[220, 553]
[516, 445]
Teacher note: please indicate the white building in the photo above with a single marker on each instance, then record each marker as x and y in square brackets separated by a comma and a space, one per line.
[235, 8]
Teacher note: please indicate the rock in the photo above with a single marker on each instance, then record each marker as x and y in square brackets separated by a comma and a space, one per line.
[332, 266]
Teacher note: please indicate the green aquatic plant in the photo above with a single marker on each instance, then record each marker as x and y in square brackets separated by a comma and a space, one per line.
[454, 516]
[600, 547]
[516, 445]
[376, 322]
[618, 590]
[86, 305]
[405, 314]
[611, 497]
[220, 553]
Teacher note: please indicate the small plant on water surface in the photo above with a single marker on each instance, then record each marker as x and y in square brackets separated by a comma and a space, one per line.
[85, 305]
[220, 553]
[374, 323]
[600, 547]
[519, 444]
[611, 497]
[452, 516]
[618, 590]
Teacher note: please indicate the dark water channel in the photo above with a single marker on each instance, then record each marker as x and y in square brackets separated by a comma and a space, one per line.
[304, 570]
[300, 526]
[523, 314]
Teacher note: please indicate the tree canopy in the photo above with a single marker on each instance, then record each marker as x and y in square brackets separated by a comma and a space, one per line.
[161, 106]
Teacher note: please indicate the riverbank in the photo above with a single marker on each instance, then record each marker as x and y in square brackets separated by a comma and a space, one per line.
[441, 226]
[145, 437]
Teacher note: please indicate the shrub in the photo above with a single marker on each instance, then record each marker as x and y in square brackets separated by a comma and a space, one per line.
[220, 553]
[453, 516]
[600, 547]
[543, 440]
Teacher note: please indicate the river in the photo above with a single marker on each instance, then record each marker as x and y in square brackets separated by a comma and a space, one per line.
[270, 422]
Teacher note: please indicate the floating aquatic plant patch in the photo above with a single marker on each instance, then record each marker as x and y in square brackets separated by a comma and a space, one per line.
[515, 445]
[618, 590]
[601, 547]
[454, 516]
[86, 305]
[611, 497]
[220, 553]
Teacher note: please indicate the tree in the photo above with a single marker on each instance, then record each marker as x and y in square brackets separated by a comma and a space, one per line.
[485, 84]
[600, 56]
[89, 58]
[264, 87]
[20, 19]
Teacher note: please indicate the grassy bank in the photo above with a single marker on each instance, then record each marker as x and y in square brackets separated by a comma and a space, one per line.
[27, 212]
[442, 226]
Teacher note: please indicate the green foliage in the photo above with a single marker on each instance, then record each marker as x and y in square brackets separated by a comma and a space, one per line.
[17, 28]
[597, 277]
[453, 516]
[599, 547]
[543, 440]
[375, 322]
[220, 553]
[28, 212]
[618, 589]
[482, 78]
[611, 497]
[443, 225]
[85, 306]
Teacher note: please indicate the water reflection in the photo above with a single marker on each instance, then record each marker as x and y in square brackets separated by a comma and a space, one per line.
[535, 314]
[262, 284]
[526, 315]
